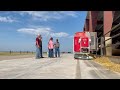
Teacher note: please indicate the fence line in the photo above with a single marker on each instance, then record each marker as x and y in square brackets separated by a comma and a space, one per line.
[20, 52]
[114, 36]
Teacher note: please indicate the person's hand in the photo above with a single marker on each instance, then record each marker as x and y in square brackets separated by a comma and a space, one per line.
[38, 46]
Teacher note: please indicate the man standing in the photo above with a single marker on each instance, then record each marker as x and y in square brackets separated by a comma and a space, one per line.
[57, 48]
[38, 49]
[41, 53]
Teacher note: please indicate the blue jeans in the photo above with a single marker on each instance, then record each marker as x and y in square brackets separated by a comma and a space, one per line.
[41, 54]
[51, 53]
[57, 52]
[48, 52]
[38, 52]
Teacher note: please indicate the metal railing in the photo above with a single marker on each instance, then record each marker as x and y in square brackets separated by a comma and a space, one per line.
[102, 40]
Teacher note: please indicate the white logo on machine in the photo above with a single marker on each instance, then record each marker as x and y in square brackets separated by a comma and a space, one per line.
[84, 40]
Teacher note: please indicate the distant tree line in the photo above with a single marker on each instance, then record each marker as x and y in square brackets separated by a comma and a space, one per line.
[20, 52]
[27, 52]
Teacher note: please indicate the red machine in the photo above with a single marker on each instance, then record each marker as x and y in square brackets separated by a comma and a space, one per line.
[81, 44]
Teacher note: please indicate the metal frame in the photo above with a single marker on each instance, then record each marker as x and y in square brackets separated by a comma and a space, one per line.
[103, 40]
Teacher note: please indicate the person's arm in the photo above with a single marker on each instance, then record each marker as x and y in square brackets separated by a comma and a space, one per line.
[54, 45]
[59, 45]
[37, 43]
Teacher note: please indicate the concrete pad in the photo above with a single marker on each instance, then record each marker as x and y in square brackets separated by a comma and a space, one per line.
[44, 68]
[65, 67]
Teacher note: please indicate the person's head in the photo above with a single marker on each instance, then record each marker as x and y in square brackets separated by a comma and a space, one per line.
[38, 35]
[56, 40]
[51, 38]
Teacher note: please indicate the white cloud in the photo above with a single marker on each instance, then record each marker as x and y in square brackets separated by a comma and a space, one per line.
[49, 15]
[44, 31]
[60, 34]
[69, 13]
[6, 19]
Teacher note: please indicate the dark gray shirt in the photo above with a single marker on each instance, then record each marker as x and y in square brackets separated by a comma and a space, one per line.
[57, 44]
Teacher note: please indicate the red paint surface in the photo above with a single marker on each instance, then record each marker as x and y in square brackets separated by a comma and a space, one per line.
[108, 20]
[84, 42]
[77, 44]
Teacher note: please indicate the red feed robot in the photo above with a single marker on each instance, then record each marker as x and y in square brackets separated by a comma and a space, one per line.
[81, 44]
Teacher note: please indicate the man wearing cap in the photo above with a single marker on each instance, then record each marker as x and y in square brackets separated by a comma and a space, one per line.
[57, 48]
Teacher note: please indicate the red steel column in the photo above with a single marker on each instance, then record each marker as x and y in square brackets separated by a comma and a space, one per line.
[108, 20]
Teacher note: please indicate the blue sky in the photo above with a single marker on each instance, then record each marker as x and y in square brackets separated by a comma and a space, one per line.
[18, 29]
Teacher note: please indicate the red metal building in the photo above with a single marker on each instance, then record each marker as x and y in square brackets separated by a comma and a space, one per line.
[103, 22]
